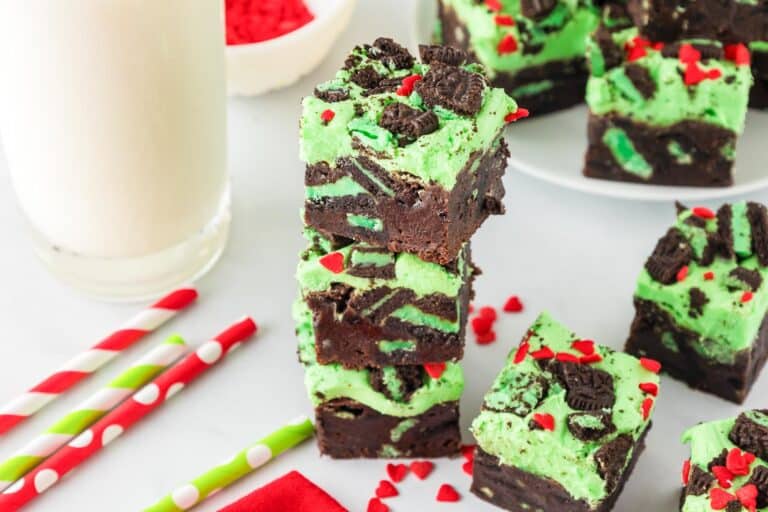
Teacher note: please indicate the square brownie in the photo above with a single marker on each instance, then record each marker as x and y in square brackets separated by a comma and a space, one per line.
[533, 49]
[759, 94]
[403, 154]
[701, 299]
[728, 468]
[388, 412]
[372, 307]
[667, 114]
[563, 424]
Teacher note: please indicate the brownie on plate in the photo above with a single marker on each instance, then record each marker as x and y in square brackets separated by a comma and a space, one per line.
[728, 468]
[405, 155]
[701, 299]
[664, 113]
[372, 307]
[563, 424]
[534, 49]
[390, 412]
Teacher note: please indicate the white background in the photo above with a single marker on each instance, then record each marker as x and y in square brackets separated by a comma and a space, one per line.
[573, 254]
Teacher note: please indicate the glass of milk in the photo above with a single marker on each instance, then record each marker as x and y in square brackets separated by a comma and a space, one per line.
[113, 123]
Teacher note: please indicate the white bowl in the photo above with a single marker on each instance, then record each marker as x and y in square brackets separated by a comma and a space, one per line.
[260, 67]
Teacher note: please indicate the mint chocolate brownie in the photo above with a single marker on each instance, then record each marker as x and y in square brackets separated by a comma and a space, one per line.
[563, 424]
[728, 468]
[701, 300]
[759, 96]
[372, 307]
[394, 411]
[534, 49]
[403, 154]
[667, 114]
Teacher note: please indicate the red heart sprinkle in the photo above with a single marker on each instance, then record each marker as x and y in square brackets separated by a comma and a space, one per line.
[566, 357]
[327, 116]
[504, 20]
[714, 74]
[507, 45]
[591, 358]
[520, 113]
[636, 53]
[738, 53]
[709, 275]
[650, 388]
[650, 364]
[375, 505]
[471, 308]
[407, 86]
[686, 471]
[494, 5]
[435, 370]
[703, 212]
[422, 468]
[513, 305]
[333, 262]
[746, 296]
[486, 339]
[586, 347]
[688, 54]
[522, 351]
[386, 489]
[468, 451]
[719, 499]
[747, 495]
[397, 472]
[481, 325]
[738, 462]
[682, 273]
[447, 493]
[694, 75]
[646, 408]
[723, 475]
[543, 353]
[468, 467]
[545, 421]
[488, 312]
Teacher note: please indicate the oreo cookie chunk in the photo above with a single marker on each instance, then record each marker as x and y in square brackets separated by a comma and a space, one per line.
[728, 468]
[563, 423]
[701, 301]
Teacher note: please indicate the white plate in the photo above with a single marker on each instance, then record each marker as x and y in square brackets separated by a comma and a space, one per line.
[552, 147]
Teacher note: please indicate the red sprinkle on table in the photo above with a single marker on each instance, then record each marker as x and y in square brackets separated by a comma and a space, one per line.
[650, 364]
[507, 45]
[422, 468]
[650, 388]
[586, 347]
[738, 462]
[682, 273]
[686, 471]
[703, 212]
[709, 275]
[543, 353]
[253, 21]
[566, 357]
[447, 493]
[739, 54]
[545, 421]
[333, 262]
[591, 358]
[375, 505]
[327, 116]
[468, 467]
[481, 325]
[468, 451]
[522, 351]
[723, 475]
[513, 305]
[688, 54]
[487, 338]
[719, 499]
[504, 20]
[747, 296]
[488, 312]
[435, 370]
[494, 5]
[646, 408]
[748, 497]
[407, 86]
[520, 113]
[397, 472]
[386, 490]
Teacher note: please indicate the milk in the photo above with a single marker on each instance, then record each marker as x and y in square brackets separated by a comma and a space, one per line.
[113, 122]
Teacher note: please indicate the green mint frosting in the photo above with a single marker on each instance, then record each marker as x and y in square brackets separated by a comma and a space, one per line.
[721, 102]
[328, 382]
[437, 157]
[726, 325]
[557, 455]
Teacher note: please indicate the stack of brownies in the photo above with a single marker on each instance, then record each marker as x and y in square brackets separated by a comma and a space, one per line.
[404, 161]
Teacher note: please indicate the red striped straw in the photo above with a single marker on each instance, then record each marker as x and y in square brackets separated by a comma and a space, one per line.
[88, 362]
[124, 416]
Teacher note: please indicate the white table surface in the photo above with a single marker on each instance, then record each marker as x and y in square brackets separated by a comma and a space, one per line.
[573, 254]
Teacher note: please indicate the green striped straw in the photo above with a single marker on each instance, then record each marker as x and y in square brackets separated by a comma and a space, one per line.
[88, 412]
[253, 457]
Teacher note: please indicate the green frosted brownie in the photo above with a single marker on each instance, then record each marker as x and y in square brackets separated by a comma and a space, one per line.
[563, 423]
[666, 114]
[372, 307]
[701, 299]
[393, 411]
[403, 154]
[759, 96]
[534, 49]
[728, 468]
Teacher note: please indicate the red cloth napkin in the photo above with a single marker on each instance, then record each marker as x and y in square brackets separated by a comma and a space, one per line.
[289, 493]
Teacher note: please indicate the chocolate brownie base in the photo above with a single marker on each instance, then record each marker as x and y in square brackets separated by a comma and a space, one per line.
[518, 491]
[347, 429]
[759, 94]
[427, 220]
[731, 382]
[568, 78]
[704, 143]
[349, 326]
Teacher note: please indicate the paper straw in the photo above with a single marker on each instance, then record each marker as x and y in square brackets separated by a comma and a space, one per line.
[83, 365]
[123, 417]
[93, 408]
[243, 463]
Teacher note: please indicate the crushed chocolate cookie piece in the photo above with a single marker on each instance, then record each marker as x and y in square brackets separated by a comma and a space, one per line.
[699, 482]
[613, 56]
[583, 426]
[587, 388]
[698, 299]
[391, 53]
[408, 122]
[750, 435]
[611, 459]
[758, 221]
[708, 51]
[453, 88]
[526, 395]
[537, 9]
[366, 77]
[410, 379]
[724, 233]
[751, 278]
[641, 79]
[672, 252]
[719, 460]
[332, 95]
[449, 55]
[352, 61]
[759, 479]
